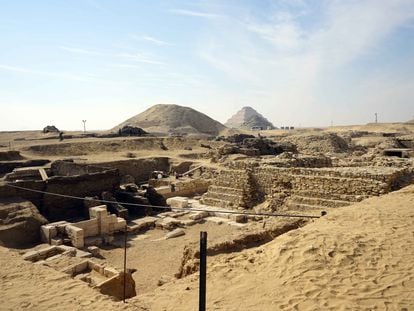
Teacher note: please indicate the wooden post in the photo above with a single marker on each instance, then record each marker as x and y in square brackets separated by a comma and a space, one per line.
[125, 251]
[203, 271]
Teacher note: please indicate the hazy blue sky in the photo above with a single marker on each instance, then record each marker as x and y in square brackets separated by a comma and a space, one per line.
[297, 62]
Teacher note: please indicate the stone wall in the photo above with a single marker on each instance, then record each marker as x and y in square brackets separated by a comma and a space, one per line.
[55, 207]
[303, 187]
[231, 189]
[92, 184]
[140, 169]
[68, 168]
[184, 187]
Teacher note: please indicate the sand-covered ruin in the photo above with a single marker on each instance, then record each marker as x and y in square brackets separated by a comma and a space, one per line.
[67, 205]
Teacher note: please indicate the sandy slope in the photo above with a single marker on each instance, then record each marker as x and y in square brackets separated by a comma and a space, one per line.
[357, 258]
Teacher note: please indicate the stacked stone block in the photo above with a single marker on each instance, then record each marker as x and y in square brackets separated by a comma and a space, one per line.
[231, 189]
[302, 188]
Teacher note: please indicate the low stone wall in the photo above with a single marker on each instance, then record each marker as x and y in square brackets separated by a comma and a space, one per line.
[331, 187]
[68, 168]
[140, 169]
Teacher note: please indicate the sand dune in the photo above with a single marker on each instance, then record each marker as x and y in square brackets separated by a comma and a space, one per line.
[357, 258]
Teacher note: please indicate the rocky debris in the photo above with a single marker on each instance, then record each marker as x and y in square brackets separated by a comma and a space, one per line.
[20, 222]
[131, 131]
[256, 147]
[318, 142]
[236, 138]
[199, 215]
[142, 224]
[248, 118]
[50, 129]
[168, 223]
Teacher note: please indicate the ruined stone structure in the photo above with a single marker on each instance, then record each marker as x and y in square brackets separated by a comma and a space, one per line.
[100, 224]
[63, 178]
[302, 188]
[231, 189]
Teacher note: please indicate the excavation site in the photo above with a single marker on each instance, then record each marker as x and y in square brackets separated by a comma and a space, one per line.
[113, 219]
[216, 155]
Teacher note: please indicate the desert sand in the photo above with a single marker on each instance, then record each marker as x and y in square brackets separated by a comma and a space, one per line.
[356, 258]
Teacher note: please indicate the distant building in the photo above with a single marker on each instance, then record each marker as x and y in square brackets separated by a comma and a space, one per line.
[256, 128]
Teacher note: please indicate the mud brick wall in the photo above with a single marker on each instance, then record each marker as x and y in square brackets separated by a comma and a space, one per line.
[67, 168]
[140, 169]
[34, 197]
[58, 208]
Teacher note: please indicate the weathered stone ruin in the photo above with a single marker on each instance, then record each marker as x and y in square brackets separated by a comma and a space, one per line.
[20, 222]
[63, 177]
[10, 160]
[300, 188]
[105, 279]
[95, 231]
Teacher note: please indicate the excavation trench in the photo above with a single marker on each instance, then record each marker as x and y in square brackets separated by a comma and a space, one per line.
[191, 253]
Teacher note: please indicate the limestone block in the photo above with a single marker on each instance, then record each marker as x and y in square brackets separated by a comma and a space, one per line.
[79, 268]
[54, 257]
[175, 233]
[56, 241]
[83, 254]
[142, 224]
[76, 236]
[168, 223]
[239, 218]
[47, 232]
[47, 251]
[199, 215]
[120, 224]
[97, 211]
[110, 272]
[178, 202]
[31, 256]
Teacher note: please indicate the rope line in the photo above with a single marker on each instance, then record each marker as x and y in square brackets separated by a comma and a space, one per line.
[164, 207]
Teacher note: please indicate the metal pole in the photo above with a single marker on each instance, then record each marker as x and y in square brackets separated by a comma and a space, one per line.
[203, 271]
[125, 251]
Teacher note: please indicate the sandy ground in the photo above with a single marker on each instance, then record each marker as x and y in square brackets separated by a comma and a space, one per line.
[357, 258]
[27, 286]
[155, 258]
